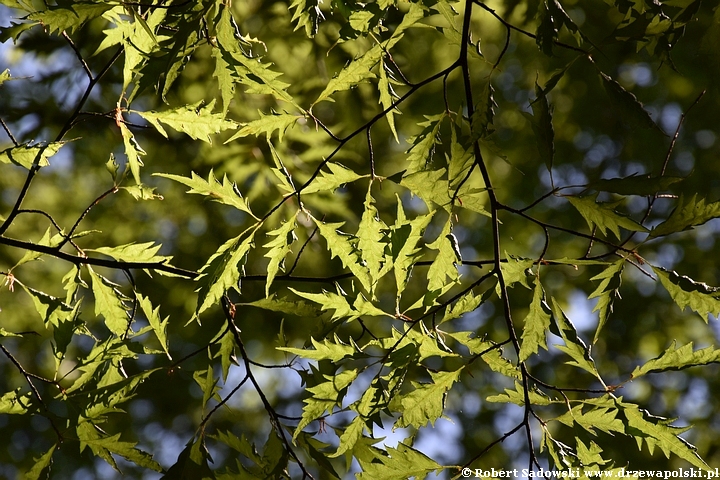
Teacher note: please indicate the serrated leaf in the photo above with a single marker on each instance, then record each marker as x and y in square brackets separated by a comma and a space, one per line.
[283, 305]
[153, 318]
[266, 124]
[400, 462]
[516, 270]
[208, 384]
[105, 446]
[192, 463]
[350, 436]
[356, 72]
[430, 186]
[372, 242]
[307, 14]
[630, 110]
[333, 350]
[194, 120]
[603, 216]
[423, 144]
[685, 292]
[467, 303]
[635, 184]
[687, 215]
[57, 19]
[427, 401]
[247, 70]
[16, 403]
[46, 240]
[134, 252]
[109, 303]
[404, 237]
[657, 432]
[517, 396]
[132, 151]
[329, 182]
[142, 192]
[541, 123]
[387, 97]
[344, 247]
[40, 464]
[536, 324]
[325, 396]
[575, 347]
[25, 155]
[444, 269]
[52, 310]
[222, 271]
[481, 123]
[607, 291]
[680, 358]
[604, 419]
[343, 310]
[491, 353]
[279, 248]
[223, 192]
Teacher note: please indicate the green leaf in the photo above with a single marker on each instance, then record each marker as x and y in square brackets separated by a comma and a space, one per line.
[657, 432]
[109, 303]
[248, 70]
[326, 350]
[517, 396]
[153, 318]
[223, 192]
[16, 403]
[41, 464]
[427, 401]
[207, 383]
[57, 19]
[373, 241]
[325, 396]
[481, 123]
[685, 292]
[26, 155]
[307, 14]
[132, 151]
[516, 270]
[467, 303]
[332, 301]
[192, 463]
[400, 462]
[142, 192]
[601, 418]
[443, 270]
[222, 270]
[423, 145]
[283, 305]
[52, 310]
[194, 120]
[105, 446]
[674, 359]
[330, 182]
[430, 186]
[635, 184]
[404, 237]
[604, 216]
[134, 252]
[541, 123]
[344, 247]
[628, 107]
[279, 248]
[356, 72]
[350, 436]
[267, 124]
[491, 353]
[608, 289]
[687, 215]
[387, 97]
[574, 345]
[46, 240]
[536, 324]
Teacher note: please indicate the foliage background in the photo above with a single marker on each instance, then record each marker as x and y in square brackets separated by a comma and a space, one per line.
[592, 139]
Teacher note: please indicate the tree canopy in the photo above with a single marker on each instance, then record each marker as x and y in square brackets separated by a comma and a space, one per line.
[393, 239]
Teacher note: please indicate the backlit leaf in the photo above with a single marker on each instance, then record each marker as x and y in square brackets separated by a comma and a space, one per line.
[603, 216]
[679, 358]
[685, 292]
[196, 121]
